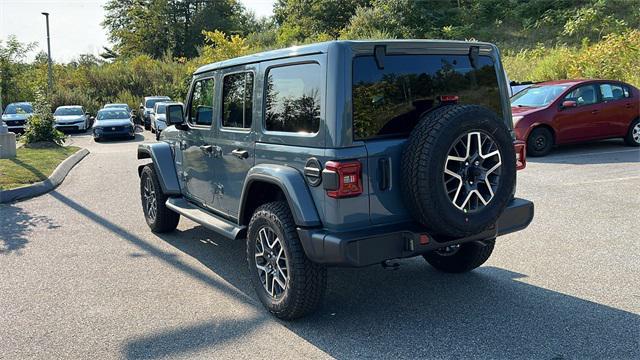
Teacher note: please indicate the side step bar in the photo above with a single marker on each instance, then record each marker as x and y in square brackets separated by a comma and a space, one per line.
[222, 226]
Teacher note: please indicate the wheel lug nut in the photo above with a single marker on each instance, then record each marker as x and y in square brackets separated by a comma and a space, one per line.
[477, 163]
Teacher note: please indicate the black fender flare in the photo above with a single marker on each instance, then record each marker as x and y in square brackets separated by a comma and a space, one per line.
[294, 187]
[161, 156]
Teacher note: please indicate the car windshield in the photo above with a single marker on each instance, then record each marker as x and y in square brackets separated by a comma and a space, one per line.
[537, 96]
[68, 111]
[111, 106]
[151, 102]
[112, 114]
[18, 109]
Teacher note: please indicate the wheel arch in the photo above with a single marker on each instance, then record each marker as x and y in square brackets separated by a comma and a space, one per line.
[163, 163]
[268, 182]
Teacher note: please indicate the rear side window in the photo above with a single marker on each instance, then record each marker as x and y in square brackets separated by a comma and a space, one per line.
[613, 92]
[237, 104]
[389, 101]
[292, 98]
[201, 103]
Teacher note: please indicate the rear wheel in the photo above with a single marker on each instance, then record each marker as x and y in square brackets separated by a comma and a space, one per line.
[539, 142]
[288, 284]
[633, 134]
[460, 258]
[158, 216]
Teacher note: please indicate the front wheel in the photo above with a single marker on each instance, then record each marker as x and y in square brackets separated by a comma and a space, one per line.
[288, 284]
[460, 258]
[633, 134]
[539, 142]
[159, 217]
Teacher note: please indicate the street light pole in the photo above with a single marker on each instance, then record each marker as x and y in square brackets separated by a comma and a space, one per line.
[50, 81]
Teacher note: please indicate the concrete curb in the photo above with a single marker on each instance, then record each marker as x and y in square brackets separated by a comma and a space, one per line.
[42, 187]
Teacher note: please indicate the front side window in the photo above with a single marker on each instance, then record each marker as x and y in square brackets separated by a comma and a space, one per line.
[237, 103]
[389, 101]
[584, 95]
[201, 104]
[292, 98]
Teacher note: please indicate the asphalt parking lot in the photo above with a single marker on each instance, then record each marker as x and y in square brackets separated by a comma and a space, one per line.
[83, 277]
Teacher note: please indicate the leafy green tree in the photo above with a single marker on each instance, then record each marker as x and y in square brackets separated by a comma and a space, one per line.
[40, 126]
[12, 54]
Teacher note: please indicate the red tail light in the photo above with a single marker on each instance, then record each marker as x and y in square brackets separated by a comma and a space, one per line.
[342, 179]
[521, 154]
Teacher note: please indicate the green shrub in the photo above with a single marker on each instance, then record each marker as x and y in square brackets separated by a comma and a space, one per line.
[40, 126]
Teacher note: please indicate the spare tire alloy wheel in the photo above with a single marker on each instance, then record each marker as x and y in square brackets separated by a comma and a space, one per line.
[271, 262]
[472, 171]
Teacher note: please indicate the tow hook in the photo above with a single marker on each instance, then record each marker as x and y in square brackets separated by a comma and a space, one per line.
[387, 264]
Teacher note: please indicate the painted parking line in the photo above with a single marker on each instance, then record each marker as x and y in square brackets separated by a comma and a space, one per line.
[560, 157]
[602, 181]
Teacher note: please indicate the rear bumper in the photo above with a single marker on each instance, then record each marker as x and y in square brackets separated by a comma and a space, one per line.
[376, 244]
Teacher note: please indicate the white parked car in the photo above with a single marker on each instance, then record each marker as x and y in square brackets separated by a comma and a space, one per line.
[158, 117]
[72, 117]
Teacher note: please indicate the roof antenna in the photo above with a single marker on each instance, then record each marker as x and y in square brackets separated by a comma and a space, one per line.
[379, 51]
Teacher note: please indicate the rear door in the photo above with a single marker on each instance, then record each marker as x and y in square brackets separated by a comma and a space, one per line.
[388, 103]
[618, 109]
[235, 137]
[198, 154]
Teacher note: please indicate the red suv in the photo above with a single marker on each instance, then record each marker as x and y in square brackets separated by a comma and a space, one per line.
[569, 111]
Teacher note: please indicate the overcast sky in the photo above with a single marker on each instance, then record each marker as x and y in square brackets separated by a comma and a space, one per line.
[74, 24]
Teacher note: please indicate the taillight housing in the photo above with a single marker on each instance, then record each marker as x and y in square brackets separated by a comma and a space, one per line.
[521, 154]
[342, 179]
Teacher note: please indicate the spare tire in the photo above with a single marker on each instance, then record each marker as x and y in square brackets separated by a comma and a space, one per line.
[458, 170]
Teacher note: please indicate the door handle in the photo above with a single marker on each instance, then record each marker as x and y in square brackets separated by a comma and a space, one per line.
[595, 111]
[627, 105]
[240, 154]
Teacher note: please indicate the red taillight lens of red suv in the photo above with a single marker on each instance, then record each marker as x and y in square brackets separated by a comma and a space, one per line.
[521, 154]
[342, 179]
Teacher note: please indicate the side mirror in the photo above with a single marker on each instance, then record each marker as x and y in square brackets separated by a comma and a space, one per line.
[174, 115]
[569, 104]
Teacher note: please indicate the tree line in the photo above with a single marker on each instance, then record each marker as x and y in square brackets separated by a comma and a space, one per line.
[158, 43]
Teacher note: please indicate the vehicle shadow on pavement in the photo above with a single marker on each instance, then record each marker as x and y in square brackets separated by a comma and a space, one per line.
[416, 311]
[15, 226]
[601, 152]
[411, 312]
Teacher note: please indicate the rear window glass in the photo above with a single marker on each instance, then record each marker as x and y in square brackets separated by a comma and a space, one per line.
[389, 101]
[293, 98]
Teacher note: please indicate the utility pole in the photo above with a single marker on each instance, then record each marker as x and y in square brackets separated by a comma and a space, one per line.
[50, 81]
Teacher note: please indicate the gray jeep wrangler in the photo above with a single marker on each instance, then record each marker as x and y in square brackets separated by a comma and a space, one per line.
[345, 153]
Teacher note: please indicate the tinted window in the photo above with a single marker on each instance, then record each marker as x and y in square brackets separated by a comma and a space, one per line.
[293, 98]
[390, 101]
[201, 106]
[237, 94]
[584, 95]
[160, 108]
[613, 92]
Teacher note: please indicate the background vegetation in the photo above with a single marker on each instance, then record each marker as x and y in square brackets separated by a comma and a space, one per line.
[158, 43]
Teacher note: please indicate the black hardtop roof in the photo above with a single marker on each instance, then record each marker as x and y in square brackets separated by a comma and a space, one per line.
[324, 47]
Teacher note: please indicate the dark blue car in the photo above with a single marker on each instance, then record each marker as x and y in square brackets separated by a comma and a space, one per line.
[112, 123]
